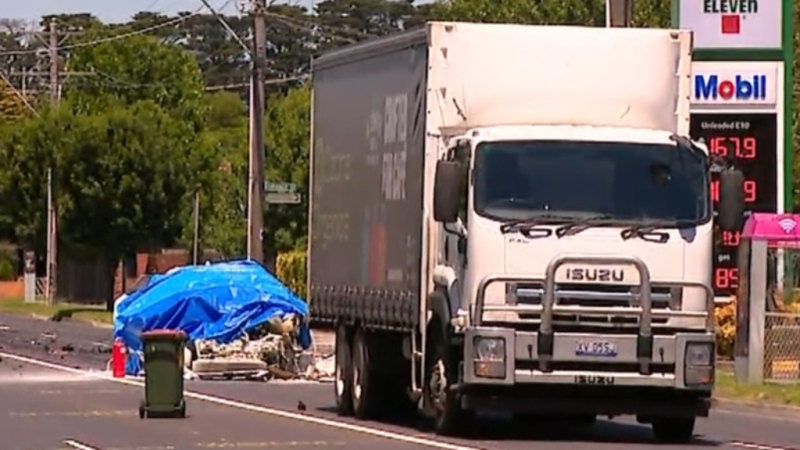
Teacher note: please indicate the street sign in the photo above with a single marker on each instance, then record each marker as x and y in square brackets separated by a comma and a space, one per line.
[280, 188]
[283, 198]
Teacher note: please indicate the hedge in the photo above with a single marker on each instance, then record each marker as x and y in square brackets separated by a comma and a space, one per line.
[290, 268]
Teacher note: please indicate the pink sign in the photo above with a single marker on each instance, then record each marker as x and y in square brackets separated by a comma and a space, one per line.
[778, 229]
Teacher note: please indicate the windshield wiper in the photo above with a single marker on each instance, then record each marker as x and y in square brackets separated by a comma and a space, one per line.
[647, 230]
[540, 219]
[584, 223]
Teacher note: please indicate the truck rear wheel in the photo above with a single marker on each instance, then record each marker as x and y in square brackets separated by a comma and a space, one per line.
[674, 430]
[343, 375]
[364, 390]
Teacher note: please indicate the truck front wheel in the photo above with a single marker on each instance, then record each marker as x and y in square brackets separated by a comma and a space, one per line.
[343, 374]
[449, 417]
[674, 430]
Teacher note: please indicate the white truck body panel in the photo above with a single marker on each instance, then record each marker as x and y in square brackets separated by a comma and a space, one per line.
[501, 74]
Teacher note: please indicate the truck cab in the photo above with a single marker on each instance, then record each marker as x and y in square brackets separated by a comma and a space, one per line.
[576, 268]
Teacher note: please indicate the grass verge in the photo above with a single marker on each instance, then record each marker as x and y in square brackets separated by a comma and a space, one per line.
[86, 313]
[767, 393]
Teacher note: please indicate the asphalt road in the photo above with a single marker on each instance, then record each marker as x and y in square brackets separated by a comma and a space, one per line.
[44, 406]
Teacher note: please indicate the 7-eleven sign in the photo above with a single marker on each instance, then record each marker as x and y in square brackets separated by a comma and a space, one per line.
[729, 24]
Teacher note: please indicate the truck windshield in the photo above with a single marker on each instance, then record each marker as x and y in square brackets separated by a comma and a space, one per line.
[626, 182]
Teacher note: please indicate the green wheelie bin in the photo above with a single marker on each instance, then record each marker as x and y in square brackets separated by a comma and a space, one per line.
[163, 374]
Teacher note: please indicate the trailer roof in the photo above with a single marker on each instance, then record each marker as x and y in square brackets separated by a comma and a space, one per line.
[370, 48]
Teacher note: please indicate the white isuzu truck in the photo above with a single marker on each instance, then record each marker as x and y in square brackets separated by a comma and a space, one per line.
[513, 218]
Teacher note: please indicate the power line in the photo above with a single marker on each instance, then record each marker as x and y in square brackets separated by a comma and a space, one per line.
[267, 82]
[225, 24]
[113, 38]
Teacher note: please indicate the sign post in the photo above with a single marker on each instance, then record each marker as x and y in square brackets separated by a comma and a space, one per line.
[742, 101]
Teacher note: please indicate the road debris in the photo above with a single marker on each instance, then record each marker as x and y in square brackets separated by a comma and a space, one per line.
[268, 352]
[49, 335]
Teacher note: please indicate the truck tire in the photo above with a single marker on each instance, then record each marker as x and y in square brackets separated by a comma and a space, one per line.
[365, 393]
[674, 430]
[449, 418]
[343, 373]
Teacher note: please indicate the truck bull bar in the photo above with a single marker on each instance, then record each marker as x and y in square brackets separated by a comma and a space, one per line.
[548, 306]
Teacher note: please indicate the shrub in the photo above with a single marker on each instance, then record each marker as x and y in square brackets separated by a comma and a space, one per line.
[290, 268]
[8, 263]
[7, 270]
[725, 317]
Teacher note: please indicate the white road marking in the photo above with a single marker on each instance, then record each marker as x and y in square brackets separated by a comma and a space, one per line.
[759, 415]
[758, 446]
[249, 407]
[78, 445]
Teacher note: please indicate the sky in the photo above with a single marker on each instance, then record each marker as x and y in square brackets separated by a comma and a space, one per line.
[118, 10]
[107, 10]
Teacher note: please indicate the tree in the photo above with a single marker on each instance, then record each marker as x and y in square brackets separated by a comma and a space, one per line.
[344, 21]
[12, 105]
[122, 184]
[219, 168]
[562, 12]
[27, 149]
[287, 137]
[652, 13]
[134, 69]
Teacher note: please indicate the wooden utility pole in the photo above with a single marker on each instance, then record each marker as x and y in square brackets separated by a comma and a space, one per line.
[52, 246]
[619, 13]
[53, 62]
[52, 216]
[255, 241]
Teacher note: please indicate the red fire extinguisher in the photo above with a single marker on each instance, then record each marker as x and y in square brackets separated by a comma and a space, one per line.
[118, 359]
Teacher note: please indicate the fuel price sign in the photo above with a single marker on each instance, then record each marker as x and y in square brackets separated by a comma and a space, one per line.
[751, 140]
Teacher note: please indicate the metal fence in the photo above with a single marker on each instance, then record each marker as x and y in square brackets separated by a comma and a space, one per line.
[782, 319]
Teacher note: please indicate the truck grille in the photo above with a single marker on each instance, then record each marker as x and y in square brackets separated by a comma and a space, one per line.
[589, 295]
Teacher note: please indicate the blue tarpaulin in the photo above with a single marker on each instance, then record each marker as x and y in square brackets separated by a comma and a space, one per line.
[215, 302]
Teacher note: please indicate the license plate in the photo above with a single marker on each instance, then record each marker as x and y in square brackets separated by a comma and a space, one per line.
[596, 348]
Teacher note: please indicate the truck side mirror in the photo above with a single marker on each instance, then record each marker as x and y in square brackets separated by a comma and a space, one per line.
[730, 215]
[446, 191]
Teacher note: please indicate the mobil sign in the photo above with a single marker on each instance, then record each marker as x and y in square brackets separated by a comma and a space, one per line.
[733, 83]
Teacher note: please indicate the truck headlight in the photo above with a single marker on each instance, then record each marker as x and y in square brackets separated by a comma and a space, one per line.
[489, 357]
[699, 354]
[490, 349]
[698, 364]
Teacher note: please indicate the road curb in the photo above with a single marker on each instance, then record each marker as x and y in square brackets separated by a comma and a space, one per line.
[101, 325]
[719, 401]
[92, 323]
